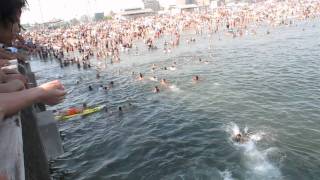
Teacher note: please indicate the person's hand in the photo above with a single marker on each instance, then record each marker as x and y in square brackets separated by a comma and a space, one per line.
[4, 62]
[52, 93]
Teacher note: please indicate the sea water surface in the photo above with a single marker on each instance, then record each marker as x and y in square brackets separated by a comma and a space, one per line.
[268, 85]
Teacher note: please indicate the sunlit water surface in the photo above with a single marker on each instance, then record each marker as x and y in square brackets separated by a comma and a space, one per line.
[268, 85]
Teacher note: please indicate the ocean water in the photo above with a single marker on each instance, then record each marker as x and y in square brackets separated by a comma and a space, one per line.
[267, 85]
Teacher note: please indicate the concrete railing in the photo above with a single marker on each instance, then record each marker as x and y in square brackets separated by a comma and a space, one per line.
[11, 149]
[25, 144]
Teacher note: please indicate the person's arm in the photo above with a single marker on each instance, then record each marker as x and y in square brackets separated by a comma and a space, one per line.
[11, 77]
[11, 86]
[6, 55]
[4, 62]
[9, 71]
[50, 93]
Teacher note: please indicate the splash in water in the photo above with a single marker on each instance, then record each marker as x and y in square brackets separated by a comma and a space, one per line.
[174, 88]
[226, 175]
[254, 160]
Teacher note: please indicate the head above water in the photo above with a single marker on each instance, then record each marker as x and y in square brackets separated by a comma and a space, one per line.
[156, 89]
[84, 105]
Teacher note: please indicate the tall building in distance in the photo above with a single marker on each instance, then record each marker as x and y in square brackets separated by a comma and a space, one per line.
[152, 4]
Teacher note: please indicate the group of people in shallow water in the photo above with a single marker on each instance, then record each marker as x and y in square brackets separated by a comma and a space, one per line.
[163, 82]
[105, 40]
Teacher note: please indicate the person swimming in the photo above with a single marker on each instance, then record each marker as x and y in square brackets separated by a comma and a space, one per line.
[153, 78]
[98, 75]
[140, 76]
[164, 82]
[111, 84]
[195, 78]
[73, 110]
[90, 88]
[172, 68]
[156, 89]
[239, 138]
[100, 87]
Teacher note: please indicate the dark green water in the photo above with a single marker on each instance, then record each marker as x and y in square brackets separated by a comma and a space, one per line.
[268, 84]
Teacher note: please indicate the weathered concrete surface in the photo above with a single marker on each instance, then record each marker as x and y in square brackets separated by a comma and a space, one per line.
[11, 148]
[49, 134]
[36, 163]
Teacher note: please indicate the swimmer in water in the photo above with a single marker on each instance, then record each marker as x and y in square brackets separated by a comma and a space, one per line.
[153, 78]
[195, 78]
[100, 87]
[172, 68]
[164, 82]
[140, 77]
[73, 110]
[156, 89]
[90, 88]
[239, 138]
[111, 84]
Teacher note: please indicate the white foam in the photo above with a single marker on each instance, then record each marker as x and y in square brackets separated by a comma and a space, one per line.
[174, 88]
[153, 79]
[226, 175]
[256, 161]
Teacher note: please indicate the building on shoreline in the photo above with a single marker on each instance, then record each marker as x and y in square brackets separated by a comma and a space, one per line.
[184, 2]
[135, 13]
[152, 4]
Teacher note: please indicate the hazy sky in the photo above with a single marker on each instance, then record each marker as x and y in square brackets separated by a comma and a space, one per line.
[68, 9]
